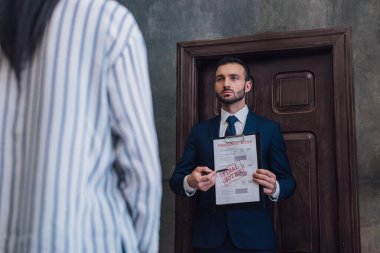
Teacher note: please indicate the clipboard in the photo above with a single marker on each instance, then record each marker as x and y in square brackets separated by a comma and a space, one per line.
[240, 158]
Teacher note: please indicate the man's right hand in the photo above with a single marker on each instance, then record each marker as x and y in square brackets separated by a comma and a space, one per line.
[202, 178]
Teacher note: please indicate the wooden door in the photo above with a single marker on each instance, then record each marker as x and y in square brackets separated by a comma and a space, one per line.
[302, 81]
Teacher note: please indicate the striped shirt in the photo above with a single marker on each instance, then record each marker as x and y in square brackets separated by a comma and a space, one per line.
[82, 109]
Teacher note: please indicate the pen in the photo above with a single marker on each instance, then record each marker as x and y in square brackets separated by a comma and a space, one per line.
[206, 173]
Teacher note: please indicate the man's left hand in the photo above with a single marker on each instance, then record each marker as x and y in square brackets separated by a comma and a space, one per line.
[266, 179]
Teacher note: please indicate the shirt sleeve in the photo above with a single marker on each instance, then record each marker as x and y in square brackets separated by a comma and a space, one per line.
[136, 150]
[190, 191]
[274, 196]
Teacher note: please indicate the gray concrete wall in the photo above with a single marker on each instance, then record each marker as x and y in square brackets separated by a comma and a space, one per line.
[165, 22]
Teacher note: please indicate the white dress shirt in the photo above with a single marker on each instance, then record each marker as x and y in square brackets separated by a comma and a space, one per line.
[239, 126]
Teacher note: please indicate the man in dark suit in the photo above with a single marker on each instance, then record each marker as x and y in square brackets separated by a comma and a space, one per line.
[242, 229]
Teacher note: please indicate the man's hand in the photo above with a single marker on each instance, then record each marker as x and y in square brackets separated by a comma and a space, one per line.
[266, 179]
[202, 178]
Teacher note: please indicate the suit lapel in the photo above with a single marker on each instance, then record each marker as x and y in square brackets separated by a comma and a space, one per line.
[215, 126]
[251, 125]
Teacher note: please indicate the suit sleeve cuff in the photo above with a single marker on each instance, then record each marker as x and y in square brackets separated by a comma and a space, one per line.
[188, 190]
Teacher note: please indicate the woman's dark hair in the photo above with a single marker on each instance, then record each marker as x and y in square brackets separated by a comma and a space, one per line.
[22, 25]
[227, 60]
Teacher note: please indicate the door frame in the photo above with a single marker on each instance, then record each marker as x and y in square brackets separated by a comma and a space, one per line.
[339, 40]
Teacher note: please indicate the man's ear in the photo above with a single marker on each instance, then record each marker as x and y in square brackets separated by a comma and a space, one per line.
[248, 86]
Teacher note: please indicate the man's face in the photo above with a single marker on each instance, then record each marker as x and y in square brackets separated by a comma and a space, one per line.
[230, 84]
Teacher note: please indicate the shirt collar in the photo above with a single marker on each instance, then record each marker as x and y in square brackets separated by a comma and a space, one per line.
[240, 115]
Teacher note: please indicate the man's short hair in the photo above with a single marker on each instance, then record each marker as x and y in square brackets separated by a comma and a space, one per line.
[227, 60]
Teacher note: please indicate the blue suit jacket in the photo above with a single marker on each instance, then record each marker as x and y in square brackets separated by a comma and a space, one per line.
[250, 228]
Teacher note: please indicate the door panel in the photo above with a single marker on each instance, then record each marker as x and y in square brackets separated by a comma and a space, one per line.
[297, 218]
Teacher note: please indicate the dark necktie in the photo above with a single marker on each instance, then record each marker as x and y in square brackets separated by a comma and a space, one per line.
[231, 131]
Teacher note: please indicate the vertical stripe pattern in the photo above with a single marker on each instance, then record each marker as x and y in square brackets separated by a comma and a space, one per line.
[82, 107]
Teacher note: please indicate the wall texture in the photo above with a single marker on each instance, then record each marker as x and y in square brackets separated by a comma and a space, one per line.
[166, 22]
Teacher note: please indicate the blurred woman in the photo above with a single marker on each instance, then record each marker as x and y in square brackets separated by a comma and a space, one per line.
[79, 167]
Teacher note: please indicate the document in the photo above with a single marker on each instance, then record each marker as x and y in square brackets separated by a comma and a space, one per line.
[236, 160]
